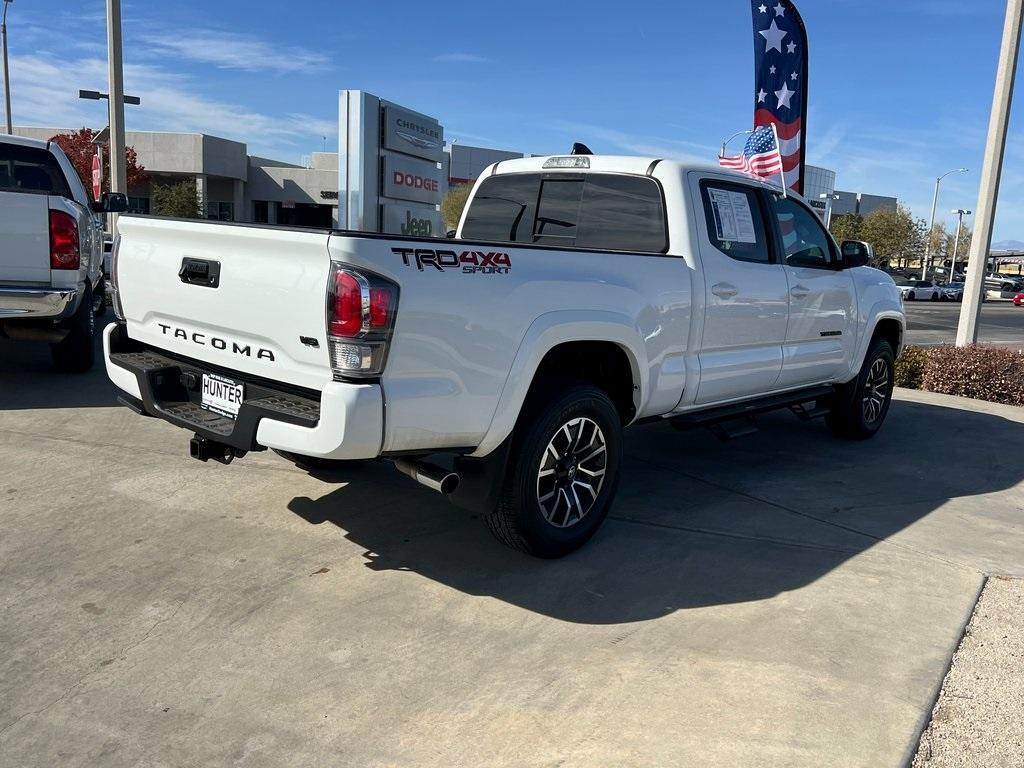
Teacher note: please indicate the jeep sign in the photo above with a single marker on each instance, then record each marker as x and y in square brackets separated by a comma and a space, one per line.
[412, 133]
[411, 220]
[406, 178]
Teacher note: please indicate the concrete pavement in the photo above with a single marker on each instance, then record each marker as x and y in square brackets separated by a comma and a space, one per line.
[784, 599]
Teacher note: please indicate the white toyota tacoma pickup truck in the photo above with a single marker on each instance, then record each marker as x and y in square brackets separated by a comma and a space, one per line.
[51, 251]
[580, 295]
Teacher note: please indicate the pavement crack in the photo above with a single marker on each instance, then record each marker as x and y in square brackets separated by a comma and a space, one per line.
[82, 680]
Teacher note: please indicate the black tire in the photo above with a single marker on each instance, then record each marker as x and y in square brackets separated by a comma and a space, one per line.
[99, 298]
[911, 296]
[76, 353]
[935, 296]
[860, 407]
[521, 519]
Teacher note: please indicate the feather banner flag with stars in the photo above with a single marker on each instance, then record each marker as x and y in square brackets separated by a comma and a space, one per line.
[780, 96]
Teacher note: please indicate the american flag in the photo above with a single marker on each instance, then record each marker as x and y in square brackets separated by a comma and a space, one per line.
[760, 156]
[780, 95]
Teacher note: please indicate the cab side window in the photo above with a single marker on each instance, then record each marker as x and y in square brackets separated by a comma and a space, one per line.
[503, 209]
[735, 223]
[804, 240]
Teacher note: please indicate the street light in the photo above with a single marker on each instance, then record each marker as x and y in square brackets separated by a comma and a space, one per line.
[828, 198]
[7, 69]
[931, 227]
[960, 213]
[96, 95]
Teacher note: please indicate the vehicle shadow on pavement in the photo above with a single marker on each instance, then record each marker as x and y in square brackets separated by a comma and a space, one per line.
[28, 379]
[697, 522]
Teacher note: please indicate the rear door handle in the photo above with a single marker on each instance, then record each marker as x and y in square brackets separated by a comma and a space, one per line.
[724, 290]
[799, 291]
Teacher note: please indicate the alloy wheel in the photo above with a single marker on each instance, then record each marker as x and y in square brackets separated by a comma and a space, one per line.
[876, 390]
[572, 471]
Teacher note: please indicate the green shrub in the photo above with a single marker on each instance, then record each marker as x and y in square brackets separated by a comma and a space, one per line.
[982, 373]
[910, 367]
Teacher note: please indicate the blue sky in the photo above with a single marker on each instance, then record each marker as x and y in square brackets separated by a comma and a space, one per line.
[899, 90]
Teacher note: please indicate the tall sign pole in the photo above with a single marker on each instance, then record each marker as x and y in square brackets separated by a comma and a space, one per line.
[7, 68]
[991, 172]
[118, 171]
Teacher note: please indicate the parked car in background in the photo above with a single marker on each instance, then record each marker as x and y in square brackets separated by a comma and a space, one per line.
[914, 290]
[953, 292]
[581, 294]
[51, 252]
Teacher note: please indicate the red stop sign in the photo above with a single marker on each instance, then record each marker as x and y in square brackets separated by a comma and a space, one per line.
[97, 177]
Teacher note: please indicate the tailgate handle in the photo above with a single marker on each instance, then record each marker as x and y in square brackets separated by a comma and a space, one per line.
[200, 272]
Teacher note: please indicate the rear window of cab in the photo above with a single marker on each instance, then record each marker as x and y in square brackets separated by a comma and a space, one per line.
[594, 211]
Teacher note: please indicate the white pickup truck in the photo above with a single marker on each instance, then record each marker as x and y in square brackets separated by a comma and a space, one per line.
[580, 295]
[51, 251]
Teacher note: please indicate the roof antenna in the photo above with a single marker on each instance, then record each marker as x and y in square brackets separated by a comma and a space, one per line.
[580, 149]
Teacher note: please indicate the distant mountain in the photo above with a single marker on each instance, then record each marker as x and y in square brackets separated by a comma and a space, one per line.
[1008, 245]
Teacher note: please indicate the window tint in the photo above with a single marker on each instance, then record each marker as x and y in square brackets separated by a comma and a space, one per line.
[32, 170]
[558, 212]
[804, 241]
[735, 224]
[503, 209]
[622, 213]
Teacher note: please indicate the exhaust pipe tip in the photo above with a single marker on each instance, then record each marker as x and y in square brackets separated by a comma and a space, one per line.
[429, 475]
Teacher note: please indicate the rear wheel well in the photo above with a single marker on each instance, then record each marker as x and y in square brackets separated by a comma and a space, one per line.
[889, 330]
[601, 363]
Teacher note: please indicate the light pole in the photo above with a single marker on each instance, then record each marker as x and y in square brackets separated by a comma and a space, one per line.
[931, 227]
[960, 213]
[7, 69]
[991, 173]
[828, 198]
[115, 71]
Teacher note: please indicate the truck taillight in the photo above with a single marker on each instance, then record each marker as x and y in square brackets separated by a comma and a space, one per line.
[65, 252]
[360, 318]
[115, 294]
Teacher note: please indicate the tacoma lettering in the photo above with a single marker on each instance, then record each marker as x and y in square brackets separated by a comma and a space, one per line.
[216, 342]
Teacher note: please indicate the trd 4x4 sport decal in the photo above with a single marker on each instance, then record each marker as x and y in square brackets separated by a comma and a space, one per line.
[471, 262]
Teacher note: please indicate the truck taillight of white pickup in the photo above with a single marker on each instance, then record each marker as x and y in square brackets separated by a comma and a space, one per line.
[360, 319]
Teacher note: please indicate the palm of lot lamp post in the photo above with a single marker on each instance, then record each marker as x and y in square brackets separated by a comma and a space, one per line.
[7, 69]
[960, 212]
[931, 227]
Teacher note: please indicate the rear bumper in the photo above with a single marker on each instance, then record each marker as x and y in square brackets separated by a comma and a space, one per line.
[37, 303]
[346, 421]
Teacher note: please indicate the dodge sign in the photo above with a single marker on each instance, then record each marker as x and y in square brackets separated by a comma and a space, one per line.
[406, 178]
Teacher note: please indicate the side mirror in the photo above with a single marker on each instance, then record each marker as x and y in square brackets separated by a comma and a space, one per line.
[856, 253]
[450, 234]
[112, 202]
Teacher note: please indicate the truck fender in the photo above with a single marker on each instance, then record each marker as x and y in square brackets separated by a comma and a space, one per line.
[544, 334]
[878, 312]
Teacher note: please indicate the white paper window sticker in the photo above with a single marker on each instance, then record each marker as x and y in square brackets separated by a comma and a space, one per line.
[734, 221]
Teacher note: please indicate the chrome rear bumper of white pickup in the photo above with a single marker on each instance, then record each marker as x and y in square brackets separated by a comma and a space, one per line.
[35, 302]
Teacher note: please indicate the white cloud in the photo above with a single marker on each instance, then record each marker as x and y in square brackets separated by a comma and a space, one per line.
[45, 92]
[461, 58]
[226, 50]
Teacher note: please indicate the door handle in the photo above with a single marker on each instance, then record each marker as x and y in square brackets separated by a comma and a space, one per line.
[724, 290]
[799, 291]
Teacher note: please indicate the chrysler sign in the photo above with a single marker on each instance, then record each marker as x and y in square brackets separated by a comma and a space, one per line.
[412, 133]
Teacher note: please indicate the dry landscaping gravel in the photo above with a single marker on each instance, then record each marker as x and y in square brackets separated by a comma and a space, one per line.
[978, 719]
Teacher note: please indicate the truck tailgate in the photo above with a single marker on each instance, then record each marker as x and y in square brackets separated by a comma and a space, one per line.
[265, 317]
[24, 221]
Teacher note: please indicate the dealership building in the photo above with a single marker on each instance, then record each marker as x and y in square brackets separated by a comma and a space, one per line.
[233, 185]
[236, 186]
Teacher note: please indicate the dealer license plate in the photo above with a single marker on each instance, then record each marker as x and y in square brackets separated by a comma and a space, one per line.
[221, 395]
